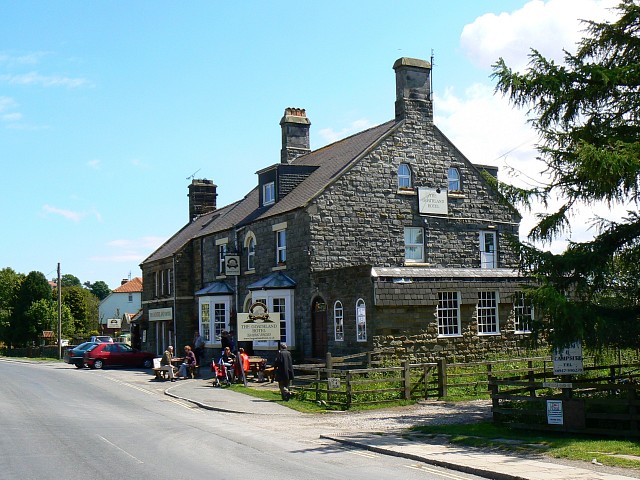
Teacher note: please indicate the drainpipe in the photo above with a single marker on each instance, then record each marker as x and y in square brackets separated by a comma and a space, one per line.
[175, 313]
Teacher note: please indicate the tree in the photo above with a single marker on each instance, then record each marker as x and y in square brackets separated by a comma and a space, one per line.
[43, 314]
[587, 115]
[100, 289]
[22, 328]
[83, 306]
[69, 280]
[9, 284]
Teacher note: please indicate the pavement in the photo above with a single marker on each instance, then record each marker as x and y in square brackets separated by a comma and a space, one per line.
[430, 450]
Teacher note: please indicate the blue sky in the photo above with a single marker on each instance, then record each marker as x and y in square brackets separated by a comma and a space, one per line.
[108, 108]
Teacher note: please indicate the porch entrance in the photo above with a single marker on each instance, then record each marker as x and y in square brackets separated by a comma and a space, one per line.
[319, 343]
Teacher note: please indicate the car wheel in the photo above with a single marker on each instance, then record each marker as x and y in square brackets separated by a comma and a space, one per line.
[79, 365]
[98, 364]
[148, 363]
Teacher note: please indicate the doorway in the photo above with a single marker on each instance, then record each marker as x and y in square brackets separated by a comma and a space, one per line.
[319, 344]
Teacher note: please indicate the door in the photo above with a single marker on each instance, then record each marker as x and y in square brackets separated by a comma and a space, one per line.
[319, 328]
[488, 250]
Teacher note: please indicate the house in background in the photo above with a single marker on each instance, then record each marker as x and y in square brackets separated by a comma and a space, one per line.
[390, 238]
[118, 311]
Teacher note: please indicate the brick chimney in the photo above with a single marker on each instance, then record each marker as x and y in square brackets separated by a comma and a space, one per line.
[202, 198]
[413, 89]
[295, 134]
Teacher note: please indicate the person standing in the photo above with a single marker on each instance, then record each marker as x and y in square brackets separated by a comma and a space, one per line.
[198, 346]
[284, 371]
[166, 363]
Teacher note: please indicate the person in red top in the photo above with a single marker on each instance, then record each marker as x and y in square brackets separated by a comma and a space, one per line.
[244, 362]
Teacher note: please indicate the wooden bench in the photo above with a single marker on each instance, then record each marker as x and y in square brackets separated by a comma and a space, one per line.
[159, 371]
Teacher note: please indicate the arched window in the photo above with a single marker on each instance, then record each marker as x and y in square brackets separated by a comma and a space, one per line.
[454, 180]
[404, 176]
[361, 321]
[250, 245]
[338, 321]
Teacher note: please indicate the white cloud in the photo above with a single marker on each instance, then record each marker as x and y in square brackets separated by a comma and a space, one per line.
[34, 78]
[27, 59]
[330, 135]
[68, 214]
[145, 243]
[549, 27]
[95, 164]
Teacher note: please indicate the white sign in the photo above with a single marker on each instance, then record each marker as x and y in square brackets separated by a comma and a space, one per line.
[554, 412]
[333, 383]
[114, 322]
[568, 361]
[557, 385]
[258, 324]
[159, 314]
[232, 264]
[432, 200]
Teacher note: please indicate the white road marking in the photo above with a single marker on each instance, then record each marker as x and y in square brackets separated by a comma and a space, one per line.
[442, 473]
[118, 448]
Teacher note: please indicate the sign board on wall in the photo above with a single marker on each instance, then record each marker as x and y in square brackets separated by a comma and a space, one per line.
[160, 314]
[114, 322]
[554, 412]
[258, 324]
[432, 201]
[568, 361]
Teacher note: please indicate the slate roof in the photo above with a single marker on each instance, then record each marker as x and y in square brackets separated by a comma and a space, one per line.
[441, 273]
[331, 160]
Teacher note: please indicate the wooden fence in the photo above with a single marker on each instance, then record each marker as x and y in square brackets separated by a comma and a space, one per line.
[604, 400]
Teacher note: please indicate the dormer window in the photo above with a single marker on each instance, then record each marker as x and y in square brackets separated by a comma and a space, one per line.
[404, 176]
[268, 193]
[454, 180]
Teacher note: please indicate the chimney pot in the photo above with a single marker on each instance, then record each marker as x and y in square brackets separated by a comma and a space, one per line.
[295, 134]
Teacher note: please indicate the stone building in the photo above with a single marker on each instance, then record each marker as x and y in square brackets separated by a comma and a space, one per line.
[387, 238]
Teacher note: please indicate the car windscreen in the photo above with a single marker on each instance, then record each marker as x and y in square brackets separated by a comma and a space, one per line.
[91, 347]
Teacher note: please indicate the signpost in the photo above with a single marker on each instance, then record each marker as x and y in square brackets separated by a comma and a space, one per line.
[569, 360]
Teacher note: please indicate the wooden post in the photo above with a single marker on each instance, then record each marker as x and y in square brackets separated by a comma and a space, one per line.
[632, 398]
[369, 360]
[407, 380]
[317, 385]
[489, 375]
[329, 362]
[532, 379]
[442, 377]
[425, 375]
[348, 389]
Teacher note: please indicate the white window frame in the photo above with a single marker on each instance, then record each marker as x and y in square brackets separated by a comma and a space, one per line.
[361, 320]
[338, 321]
[130, 299]
[448, 313]
[156, 287]
[251, 252]
[222, 251]
[268, 193]
[523, 313]
[454, 180]
[163, 282]
[286, 323]
[488, 249]
[487, 312]
[170, 281]
[411, 244]
[404, 176]
[211, 327]
[281, 246]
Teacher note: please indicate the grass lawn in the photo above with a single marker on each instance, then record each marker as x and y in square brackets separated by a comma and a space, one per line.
[608, 451]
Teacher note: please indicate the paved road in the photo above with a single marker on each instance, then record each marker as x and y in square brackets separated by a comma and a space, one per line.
[60, 422]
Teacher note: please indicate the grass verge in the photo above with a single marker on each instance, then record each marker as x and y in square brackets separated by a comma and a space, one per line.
[612, 452]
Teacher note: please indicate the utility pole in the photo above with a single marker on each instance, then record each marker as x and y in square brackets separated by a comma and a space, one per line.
[59, 314]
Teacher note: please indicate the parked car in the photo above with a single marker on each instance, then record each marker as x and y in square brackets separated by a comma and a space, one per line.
[116, 354]
[101, 339]
[75, 355]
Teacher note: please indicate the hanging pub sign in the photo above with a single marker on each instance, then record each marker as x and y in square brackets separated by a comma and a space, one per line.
[258, 324]
[432, 201]
[114, 323]
[232, 264]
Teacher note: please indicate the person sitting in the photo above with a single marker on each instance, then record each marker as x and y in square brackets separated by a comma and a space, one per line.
[165, 363]
[187, 369]
[228, 359]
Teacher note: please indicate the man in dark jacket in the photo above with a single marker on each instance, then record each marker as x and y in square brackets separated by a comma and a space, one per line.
[284, 371]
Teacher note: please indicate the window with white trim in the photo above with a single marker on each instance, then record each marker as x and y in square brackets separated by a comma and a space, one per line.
[361, 321]
[487, 313]
[163, 282]
[169, 281]
[523, 313]
[488, 249]
[338, 321]
[280, 301]
[156, 284]
[268, 193]
[454, 179]
[448, 313]
[222, 251]
[413, 244]
[281, 247]
[214, 315]
[251, 253]
[404, 176]
[130, 297]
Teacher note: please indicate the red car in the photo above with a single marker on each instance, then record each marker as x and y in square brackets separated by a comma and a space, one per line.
[117, 354]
